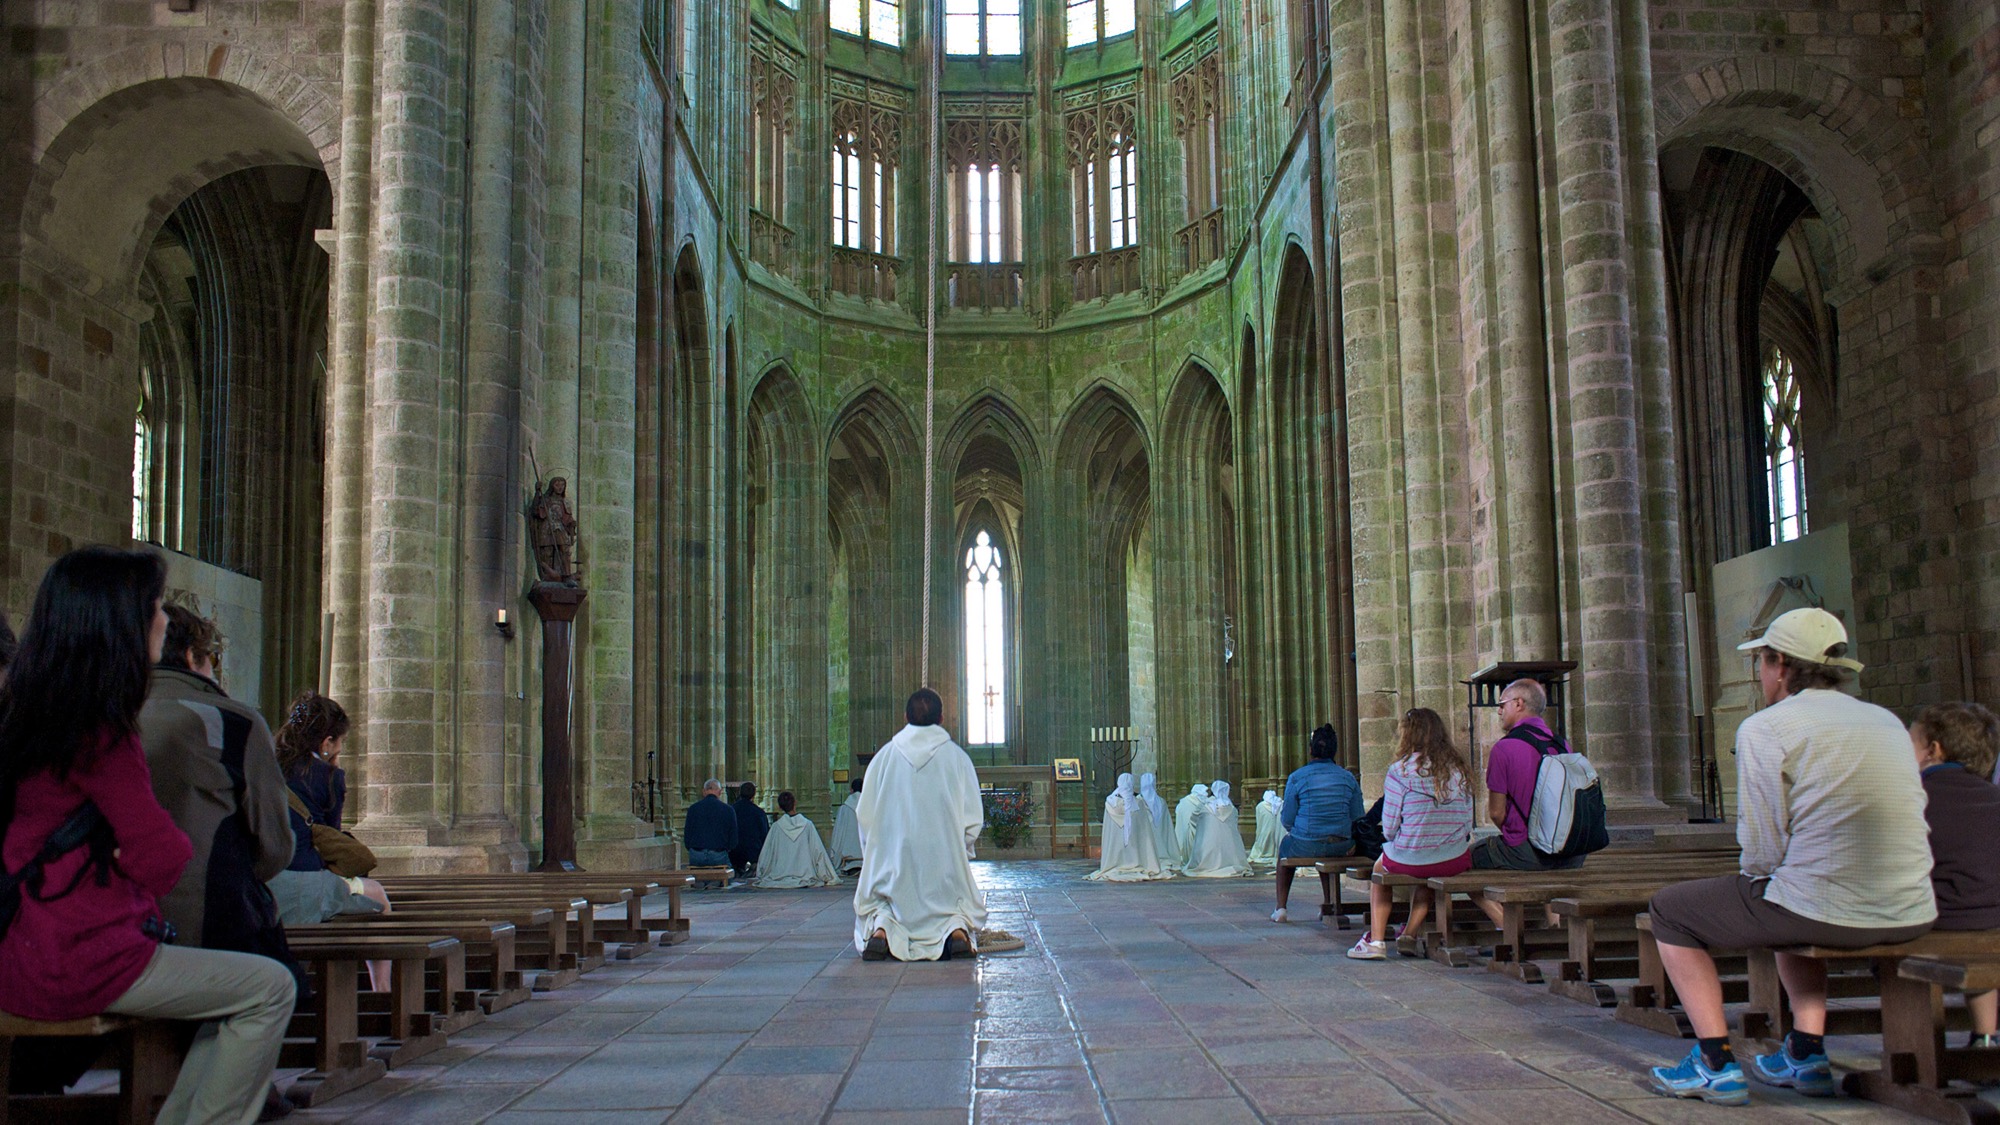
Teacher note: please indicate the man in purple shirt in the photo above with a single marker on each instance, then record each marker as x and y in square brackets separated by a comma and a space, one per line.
[1510, 782]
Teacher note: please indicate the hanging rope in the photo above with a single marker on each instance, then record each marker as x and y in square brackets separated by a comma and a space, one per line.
[935, 175]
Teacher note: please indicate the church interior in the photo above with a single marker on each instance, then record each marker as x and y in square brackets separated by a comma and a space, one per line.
[1158, 380]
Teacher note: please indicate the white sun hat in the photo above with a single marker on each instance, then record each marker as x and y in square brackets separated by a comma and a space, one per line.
[1811, 635]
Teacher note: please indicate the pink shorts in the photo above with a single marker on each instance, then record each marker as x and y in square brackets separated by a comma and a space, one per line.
[1458, 866]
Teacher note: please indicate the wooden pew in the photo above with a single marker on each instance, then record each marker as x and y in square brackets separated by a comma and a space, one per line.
[325, 1034]
[408, 1030]
[573, 914]
[1918, 1069]
[1329, 872]
[635, 935]
[491, 981]
[1652, 1004]
[148, 1054]
[1768, 1016]
[541, 936]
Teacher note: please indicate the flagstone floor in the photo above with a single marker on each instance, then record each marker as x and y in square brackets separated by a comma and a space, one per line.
[1164, 1002]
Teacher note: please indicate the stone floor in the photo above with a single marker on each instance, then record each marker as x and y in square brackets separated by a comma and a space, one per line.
[1164, 1002]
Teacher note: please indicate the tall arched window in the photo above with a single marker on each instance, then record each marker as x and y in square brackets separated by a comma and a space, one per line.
[142, 473]
[1784, 462]
[985, 645]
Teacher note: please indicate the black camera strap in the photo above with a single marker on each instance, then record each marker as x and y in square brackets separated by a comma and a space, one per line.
[86, 827]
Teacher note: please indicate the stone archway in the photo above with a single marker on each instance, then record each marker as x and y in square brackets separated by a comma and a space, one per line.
[1197, 559]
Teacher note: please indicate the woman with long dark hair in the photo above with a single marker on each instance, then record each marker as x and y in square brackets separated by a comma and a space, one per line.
[88, 937]
[307, 891]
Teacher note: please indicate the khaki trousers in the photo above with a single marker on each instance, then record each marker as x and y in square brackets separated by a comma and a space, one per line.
[247, 1003]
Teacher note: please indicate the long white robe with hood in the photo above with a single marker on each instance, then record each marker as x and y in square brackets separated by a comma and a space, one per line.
[1218, 844]
[919, 817]
[794, 857]
[1270, 830]
[1185, 815]
[847, 835]
[1130, 853]
[1163, 825]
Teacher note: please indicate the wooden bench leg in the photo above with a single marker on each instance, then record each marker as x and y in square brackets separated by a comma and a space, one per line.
[152, 1062]
[1913, 1051]
[1329, 899]
[1768, 1017]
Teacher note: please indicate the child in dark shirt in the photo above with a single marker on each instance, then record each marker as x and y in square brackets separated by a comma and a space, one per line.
[1956, 744]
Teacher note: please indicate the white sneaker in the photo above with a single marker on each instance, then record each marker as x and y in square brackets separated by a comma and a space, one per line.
[1279, 915]
[1365, 950]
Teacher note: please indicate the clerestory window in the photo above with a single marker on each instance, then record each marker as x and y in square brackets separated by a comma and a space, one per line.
[877, 20]
[982, 27]
[142, 473]
[1092, 21]
[1784, 461]
[985, 645]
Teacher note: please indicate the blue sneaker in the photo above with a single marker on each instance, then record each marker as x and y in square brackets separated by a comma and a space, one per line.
[1693, 1079]
[1811, 1076]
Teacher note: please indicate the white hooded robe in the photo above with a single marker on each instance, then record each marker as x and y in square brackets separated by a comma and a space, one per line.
[1270, 830]
[1217, 852]
[1163, 825]
[1185, 815]
[847, 835]
[1130, 853]
[919, 816]
[793, 856]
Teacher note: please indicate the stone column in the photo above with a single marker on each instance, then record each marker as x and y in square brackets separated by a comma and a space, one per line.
[348, 438]
[490, 563]
[1507, 360]
[1597, 258]
[607, 441]
[1652, 348]
[404, 603]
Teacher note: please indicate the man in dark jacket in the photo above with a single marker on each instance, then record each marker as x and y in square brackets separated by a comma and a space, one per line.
[752, 825]
[710, 829]
[215, 773]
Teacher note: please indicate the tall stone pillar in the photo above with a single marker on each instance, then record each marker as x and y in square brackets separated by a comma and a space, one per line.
[490, 553]
[405, 571]
[1604, 485]
[348, 445]
[1501, 260]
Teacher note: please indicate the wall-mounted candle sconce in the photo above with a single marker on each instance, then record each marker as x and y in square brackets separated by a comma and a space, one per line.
[501, 623]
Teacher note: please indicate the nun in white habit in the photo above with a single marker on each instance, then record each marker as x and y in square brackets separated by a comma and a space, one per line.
[1185, 814]
[1130, 853]
[793, 856]
[919, 817]
[1270, 830]
[1163, 825]
[847, 832]
[1217, 852]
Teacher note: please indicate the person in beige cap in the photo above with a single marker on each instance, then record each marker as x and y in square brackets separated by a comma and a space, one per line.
[1830, 814]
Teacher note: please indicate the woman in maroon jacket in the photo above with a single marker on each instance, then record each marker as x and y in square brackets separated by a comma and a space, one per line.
[89, 938]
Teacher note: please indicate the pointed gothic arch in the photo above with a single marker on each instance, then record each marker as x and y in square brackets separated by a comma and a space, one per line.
[1198, 560]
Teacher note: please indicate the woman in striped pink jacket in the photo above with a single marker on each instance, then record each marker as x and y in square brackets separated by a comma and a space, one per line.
[1426, 823]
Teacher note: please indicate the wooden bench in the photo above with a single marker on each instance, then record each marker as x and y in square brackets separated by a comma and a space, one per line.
[408, 1030]
[635, 936]
[573, 914]
[1331, 872]
[1652, 1003]
[491, 981]
[325, 1034]
[1769, 1018]
[1918, 1069]
[148, 1054]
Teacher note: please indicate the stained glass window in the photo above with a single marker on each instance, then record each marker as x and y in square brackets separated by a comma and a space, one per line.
[1784, 462]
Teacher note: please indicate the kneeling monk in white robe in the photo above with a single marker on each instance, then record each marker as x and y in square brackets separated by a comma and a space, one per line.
[1131, 851]
[919, 817]
[1217, 852]
[793, 856]
[1270, 831]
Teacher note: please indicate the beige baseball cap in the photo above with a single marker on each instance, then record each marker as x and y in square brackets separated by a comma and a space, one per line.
[1806, 634]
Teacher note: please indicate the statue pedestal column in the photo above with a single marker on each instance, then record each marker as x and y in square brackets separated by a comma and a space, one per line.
[557, 606]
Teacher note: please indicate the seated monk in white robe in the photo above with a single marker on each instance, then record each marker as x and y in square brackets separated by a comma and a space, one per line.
[793, 857]
[847, 832]
[1185, 815]
[1130, 853]
[1163, 825]
[1270, 831]
[920, 815]
[1218, 844]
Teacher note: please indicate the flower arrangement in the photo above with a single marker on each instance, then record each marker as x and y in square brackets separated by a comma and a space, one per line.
[1009, 812]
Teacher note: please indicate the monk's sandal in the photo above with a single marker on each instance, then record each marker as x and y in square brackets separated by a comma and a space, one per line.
[877, 949]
